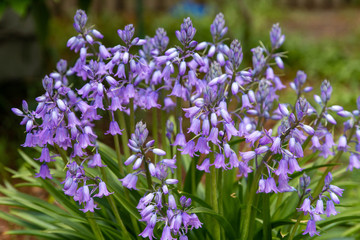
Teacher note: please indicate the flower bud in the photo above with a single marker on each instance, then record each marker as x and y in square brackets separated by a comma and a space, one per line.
[159, 152]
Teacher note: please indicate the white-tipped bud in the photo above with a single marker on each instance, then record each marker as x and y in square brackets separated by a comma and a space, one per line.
[309, 130]
[317, 99]
[336, 108]
[29, 125]
[330, 119]
[284, 111]
[220, 58]
[152, 169]
[182, 68]
[201, 46]
[61, 105]
[212, 51]
[234, 88]
[17, 111]
[199, 59]
[130, 160]
[159, 152]
[137, 163]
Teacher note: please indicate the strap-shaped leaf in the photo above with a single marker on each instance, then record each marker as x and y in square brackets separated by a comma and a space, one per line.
[229, 231]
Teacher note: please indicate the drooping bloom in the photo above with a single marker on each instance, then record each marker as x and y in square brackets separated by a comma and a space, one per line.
[311, 228]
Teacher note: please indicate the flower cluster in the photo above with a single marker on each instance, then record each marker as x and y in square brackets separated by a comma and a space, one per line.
[229, 110]
[316, 210]
[158, 205]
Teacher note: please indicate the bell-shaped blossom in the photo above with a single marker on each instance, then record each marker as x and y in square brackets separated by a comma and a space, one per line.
[129, 181]
[311, 228]
[44, 172]
[102, 190]
[204, 166]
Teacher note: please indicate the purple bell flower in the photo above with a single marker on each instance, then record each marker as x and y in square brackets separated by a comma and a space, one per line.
[205, 165]
[96, 161]
[270, 185]
[129, 181]
[202, 146]
[353, 162]
[306, 206]
[90, 206]
[330, 208]
[44, 172]
[102, 190]
[311, 228]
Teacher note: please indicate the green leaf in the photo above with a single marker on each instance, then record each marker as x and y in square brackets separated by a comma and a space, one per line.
[194, 198]
[188, 178]
[229, 231]
[32, 232]
[20, 6]
[292, 176]
[28, 159]
[11, 218]
[236, 141]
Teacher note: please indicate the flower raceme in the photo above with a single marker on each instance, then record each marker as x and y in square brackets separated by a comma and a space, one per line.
[226, 106]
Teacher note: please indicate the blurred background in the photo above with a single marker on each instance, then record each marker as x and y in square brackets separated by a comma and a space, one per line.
[322, 38]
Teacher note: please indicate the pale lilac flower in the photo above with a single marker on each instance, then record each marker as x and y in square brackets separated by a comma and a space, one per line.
[311, 228]
[306, 206]
[205, 165]
[330, 208]
[129, 181]
[44, 172]
[102, 190]
[90, 206]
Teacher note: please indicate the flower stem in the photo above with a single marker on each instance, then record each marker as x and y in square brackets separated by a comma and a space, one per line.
[62, 153]
[220, 199]
[178, 153]
[193, 176]
[247, 225]
[114, 209]
[214, 197]
[320, 184]
[164, 144]
[124, 136]
[148, 175]
[132, 115]
[118, 154]
[155, 128]
[266, 217]
[94, 226]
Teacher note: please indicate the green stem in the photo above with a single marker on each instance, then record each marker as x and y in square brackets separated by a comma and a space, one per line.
[214, 197]
[118, 154]
[208, 188]
[266, 217]
[178, 153]
[220, 198]
[248, 218]
[117, 144]
[193, 176]
[320, 184]
[164, 144]
[114, 209]
[62, 153]
[132, 115]
[94, 226]
[148, 175]
[124, 136]
[155, 129]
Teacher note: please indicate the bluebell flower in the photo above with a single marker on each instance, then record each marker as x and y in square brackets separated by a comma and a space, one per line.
[306, 206]
[330, 208]
[129, 181]
[44, 172]
[311, 228]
